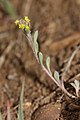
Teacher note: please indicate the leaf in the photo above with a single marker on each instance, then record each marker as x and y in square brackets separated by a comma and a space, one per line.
[48, 63]
[20, 109]
[36, 47]
[73, 84]
[35, 42]
[0, 116]
[56, 75]
[77, 83]
[36, 36]
[8, 7]
[41, 58]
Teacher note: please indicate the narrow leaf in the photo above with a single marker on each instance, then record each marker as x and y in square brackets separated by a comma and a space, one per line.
[48, 62]
[0, 116]
[36, 47]
[20, 110]
[8, 7]
[56, 75]
[35, 42]
[36, 36]
[41, 58]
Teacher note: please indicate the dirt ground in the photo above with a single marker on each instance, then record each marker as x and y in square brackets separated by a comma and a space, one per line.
[58, 23]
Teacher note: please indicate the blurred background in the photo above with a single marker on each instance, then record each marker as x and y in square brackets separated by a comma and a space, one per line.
[58, 23]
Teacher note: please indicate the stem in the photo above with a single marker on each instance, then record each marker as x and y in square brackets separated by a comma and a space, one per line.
[61, 86]
[30, 41]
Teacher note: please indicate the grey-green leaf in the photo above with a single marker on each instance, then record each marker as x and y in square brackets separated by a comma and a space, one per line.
[56, 75]
[36, 47]
[41, 58]
[35, 42]
[36, 36]
[76, 84]
[48, 63]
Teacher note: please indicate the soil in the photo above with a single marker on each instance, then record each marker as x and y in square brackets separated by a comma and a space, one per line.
[58, 23]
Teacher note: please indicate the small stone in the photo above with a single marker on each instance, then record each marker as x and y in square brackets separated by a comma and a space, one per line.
[47, 112]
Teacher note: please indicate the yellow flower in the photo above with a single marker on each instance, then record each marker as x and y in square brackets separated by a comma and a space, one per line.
[27, 27]
[21, 26]
[26, 19]
[16, 22]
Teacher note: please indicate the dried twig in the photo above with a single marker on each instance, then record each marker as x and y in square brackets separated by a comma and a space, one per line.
[69, 62]
[75, 77]
[69, 41]
[3, 35]
[6, 52]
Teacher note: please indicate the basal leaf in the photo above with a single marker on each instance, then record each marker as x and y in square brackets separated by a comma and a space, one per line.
[73, 84]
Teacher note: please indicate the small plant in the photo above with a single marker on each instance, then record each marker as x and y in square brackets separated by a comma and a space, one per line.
[24, 24]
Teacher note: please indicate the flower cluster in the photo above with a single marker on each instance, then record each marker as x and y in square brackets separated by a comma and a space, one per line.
[24, 23]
